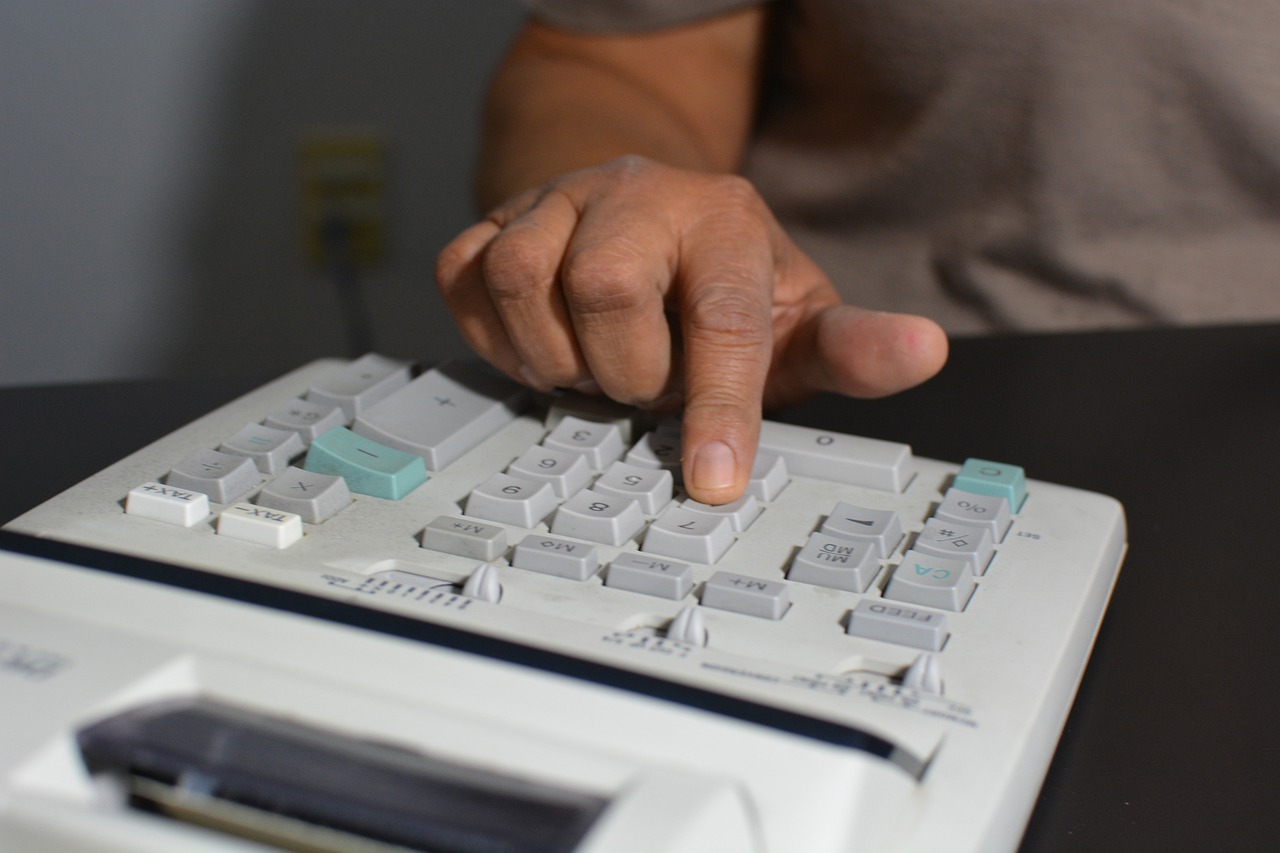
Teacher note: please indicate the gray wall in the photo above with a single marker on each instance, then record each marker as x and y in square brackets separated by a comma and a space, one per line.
[148, 194]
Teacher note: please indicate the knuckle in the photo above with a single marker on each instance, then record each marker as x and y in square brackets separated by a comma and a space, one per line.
[630, 175]
[631, 167]
[732, 212]
[619, 174]
[602, 281]
[728, 315]
[737, 195]
[515, 268]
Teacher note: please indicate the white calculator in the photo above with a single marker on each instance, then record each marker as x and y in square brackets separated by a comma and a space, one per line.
[366, 607]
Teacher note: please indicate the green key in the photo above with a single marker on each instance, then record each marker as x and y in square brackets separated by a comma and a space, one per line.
[994, 479]
[368, 467]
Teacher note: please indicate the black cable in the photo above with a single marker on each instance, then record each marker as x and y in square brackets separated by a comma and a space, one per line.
[344, 274]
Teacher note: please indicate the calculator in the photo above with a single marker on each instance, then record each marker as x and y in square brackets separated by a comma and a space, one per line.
[510, 594]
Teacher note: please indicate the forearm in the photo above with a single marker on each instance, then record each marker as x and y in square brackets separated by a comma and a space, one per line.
[547, 118]
[561, 102]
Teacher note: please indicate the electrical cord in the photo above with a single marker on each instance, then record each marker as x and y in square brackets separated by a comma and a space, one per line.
[344, 275]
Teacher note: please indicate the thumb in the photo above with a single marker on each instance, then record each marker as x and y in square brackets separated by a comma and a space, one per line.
[856, 352]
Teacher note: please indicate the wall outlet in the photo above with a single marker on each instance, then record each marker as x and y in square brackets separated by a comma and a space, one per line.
[343, 193]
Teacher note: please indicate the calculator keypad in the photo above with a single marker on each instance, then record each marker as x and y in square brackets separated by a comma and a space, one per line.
[587, 508]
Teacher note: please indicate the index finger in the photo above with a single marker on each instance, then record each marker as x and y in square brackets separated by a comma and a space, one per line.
[726, 292]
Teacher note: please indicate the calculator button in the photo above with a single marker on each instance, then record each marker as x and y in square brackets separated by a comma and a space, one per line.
[560, 557]
[768, 476]
[260, 525]
[961, 507]
[511, 500]
[307, 418]
[314, 496]
[465, 537]
[597, 410]
[360, 384]
[746, 594]
[688, 535]
[939, 582]
[270, 449]
[567, 472]
[849, 459]
[441, 415]
[224, 477]
[898, 623]
[650, 575]
[368, 467]
[657, 450]
[740, 513]
[961, 541]
[833, 562]
[650, 487]
[185, 507]
[600, 443]
[984, 477]
[598, 517]
[880, 527]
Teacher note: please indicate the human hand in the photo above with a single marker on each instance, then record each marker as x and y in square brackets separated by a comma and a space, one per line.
[653, 285]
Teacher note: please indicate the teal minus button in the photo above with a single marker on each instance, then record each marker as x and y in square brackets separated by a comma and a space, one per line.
[994, 479]
[368, 467]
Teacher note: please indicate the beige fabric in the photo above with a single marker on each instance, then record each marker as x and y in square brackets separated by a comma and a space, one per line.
[1022, 164]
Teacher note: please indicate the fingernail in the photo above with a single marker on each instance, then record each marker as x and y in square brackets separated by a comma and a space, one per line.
[588, 386]
[714, 467]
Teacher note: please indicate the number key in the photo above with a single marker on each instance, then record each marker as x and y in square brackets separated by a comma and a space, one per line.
[600, 443]
[650, 487]
[688, 535]
[598, 517]
[511, 500]
[566, 472]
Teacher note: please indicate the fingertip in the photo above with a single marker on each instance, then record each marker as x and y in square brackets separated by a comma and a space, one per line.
[712, 473]
[718, 452]
[925, 346]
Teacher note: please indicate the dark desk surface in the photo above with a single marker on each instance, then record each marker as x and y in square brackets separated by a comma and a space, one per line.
[1174, 742]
